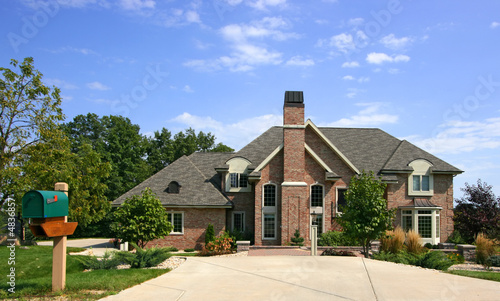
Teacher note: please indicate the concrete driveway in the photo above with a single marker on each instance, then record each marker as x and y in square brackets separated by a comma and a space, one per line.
[306, 278]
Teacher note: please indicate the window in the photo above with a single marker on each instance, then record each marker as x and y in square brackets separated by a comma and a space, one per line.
[269, 229]
[316, 196]
[177, 220]
[239, 221]
[341, 202]
[238, 180]
[270, 195]
[425, 222]
[420, 181]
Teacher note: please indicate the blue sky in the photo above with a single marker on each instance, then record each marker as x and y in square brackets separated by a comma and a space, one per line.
[424, 71]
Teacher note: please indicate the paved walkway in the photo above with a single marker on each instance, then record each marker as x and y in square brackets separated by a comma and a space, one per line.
[279, 252]
[306, 278]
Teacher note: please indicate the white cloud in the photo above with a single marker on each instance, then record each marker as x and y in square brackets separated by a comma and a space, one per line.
[345, 42]
[235, 135]
[187, 89]
[494, 24]
[97, 86]
[61, 84]
[352, 64]
[356, 21]
[456, 137]
[84, 51]
[369, 116]
[348, 77]
[137, 4]
[391, 42]
[264, 4]
[380, 58]
[299, 61]
[363, 79]
[192, 17]
[246, 53]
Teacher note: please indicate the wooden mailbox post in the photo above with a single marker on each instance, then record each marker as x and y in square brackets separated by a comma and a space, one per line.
[49, 213]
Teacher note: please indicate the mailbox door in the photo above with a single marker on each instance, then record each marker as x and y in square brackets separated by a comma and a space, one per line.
[33, 205]
[55, 203]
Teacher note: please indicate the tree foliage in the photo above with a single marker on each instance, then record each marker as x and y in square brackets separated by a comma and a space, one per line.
[365, 216]
[477, 211]
[141, 219]
[29, 114]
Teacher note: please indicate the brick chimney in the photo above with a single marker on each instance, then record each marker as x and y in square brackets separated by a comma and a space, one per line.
[294, 191]
[294, 136]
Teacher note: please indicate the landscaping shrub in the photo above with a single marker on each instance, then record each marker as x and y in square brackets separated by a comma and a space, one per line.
[334, 239]
[400, 257]
[493, 261]
[457, 258]
[209, 234]
[456, 238]
[189, 250]
[412, 242]
[297, 240]
[484, 248]
[435, 260]
[393, 240]
[143, 258]
[220, 245]
[107, 262]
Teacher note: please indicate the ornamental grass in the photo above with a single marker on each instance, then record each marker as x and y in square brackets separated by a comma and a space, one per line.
[485, 248]
[393, 240]
[413, 242]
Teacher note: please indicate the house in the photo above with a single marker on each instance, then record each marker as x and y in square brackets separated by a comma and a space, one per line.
[295, 175]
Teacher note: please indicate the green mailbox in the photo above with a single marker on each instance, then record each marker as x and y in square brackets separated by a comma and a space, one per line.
[44, 204]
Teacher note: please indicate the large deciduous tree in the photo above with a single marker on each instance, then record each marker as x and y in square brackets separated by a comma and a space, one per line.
[365, 216]
[29, 114]
[477, 211]
[141, 219]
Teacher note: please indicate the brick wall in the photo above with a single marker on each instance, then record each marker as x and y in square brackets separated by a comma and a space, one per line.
[195, 225]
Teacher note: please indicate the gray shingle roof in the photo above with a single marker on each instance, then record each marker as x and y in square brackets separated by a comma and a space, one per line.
[197, 189]
[367, 149]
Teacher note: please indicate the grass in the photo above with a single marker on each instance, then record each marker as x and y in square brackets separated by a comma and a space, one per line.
[494, 276]
[34, 276]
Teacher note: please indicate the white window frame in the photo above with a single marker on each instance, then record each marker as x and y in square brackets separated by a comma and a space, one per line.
[171, 216]
[421, 168]
[270, 210]
[316, 209]
[337, 212]
[435, 222]
[242, 220]
[237, 166]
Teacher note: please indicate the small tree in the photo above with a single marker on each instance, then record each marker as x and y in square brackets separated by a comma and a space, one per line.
[209, 234]
[141, 219]
[477, 211]
[297, 240]
[365, 216]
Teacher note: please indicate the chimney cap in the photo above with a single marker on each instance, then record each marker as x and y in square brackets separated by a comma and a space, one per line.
[294, 97]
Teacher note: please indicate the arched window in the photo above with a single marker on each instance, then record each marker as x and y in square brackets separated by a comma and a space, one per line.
[173, 187]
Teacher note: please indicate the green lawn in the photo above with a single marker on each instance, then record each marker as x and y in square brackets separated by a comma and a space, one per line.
[495, 276]
[34, 276]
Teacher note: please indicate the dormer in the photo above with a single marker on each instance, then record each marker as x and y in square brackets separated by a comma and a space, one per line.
[236, 178]
[173, 187]
[421, 180]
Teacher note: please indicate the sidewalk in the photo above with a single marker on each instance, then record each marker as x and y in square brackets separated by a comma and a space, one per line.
[306, 278]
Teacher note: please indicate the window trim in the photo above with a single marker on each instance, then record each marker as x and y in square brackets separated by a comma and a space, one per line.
[269, 210]
[171, 214]
[264, 227]
[242, 220]
[421, 168]
[275, 195]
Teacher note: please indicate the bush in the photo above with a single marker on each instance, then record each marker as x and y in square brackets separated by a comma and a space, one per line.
[400, 257]
[456, 238]
[209, 234]
[457, 258]
[189, 250]
[393, 241]
[107, 262]
[221, 245]
[412, 242]
[334, 239]
[143, 258]
[435, 260]
[297, 240]
[493, 261]
[484, 248]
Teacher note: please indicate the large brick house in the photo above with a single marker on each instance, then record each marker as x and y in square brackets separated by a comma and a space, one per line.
[295, 175]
